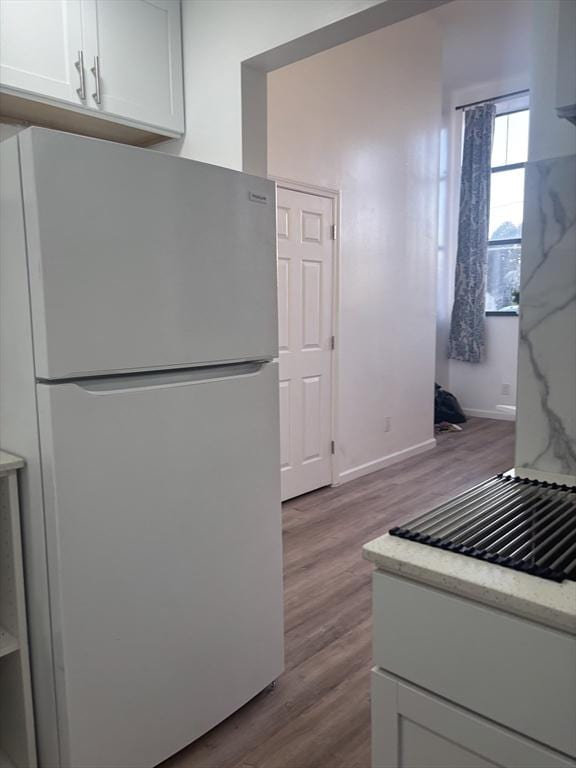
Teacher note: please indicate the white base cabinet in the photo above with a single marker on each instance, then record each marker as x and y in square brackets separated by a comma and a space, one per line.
[113, 60]
[412, 728]
[463, 685]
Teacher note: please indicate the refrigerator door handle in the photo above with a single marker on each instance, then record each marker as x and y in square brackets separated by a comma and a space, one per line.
[103, 385]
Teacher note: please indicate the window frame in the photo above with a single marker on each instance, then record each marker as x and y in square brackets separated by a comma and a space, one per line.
[512, 240]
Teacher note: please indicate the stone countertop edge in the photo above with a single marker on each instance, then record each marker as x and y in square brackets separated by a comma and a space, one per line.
[521, 594]
[9, 462]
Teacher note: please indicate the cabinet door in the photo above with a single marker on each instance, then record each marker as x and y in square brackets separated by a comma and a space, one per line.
[413, 729]
[40, 42]
[137, 44]
[444, 643]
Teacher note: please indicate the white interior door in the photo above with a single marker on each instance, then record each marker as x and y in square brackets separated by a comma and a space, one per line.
[165, 556]
[305, 283]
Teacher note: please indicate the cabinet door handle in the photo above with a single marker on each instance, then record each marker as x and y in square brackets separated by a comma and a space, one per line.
[97, 95]
[81, 91]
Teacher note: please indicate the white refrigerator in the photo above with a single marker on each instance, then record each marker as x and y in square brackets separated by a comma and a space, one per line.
[138, 337]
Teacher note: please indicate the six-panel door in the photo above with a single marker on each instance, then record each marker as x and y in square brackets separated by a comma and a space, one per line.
[305, 254]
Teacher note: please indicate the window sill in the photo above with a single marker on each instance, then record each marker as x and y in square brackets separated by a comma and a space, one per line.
[501, 314]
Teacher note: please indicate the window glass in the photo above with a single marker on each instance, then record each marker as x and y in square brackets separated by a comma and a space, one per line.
[503, 278]
[517, 145]
[509, 148]
[500, 141]
[506, 204]
[510, 141]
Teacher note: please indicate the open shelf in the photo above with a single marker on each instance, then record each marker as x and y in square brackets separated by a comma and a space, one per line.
[8, 644]
[17, 747]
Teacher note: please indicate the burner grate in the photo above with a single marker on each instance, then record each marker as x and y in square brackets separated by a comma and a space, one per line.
[528, 525]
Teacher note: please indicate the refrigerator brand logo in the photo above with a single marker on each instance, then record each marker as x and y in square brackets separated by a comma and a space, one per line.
[258, 198]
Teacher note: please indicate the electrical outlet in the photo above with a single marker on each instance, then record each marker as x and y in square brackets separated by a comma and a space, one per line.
[506, 389]
[387, 424]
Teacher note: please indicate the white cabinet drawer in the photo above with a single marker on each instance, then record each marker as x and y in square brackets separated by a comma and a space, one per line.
[513, 671]
[413, 729]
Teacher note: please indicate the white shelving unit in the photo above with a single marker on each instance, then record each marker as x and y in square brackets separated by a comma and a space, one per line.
[17, 744]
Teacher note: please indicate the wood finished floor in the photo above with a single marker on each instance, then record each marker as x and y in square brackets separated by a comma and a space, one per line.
[318, 714]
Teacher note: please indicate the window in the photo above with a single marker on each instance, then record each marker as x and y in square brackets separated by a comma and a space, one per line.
[509, 155]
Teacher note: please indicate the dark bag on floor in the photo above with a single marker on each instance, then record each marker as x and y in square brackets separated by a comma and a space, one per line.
[447, 408]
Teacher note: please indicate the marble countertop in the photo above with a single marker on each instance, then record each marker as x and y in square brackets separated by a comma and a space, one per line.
[8, 461]
[530, 597]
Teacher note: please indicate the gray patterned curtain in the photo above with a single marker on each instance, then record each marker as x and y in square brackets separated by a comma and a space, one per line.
[466, 341]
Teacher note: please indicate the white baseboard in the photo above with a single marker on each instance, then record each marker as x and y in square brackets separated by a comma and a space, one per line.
[479, 414]
[385, 461]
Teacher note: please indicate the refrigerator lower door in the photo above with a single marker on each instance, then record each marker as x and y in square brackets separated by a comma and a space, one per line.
[164, 546]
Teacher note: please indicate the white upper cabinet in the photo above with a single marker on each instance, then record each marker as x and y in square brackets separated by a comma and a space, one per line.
[40, 45]
[134, 64]
[116, 59]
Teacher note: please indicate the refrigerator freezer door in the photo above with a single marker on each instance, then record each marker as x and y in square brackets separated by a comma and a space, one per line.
[164, 546]
[140, 260]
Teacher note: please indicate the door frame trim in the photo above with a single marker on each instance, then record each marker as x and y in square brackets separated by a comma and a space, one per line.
[336, 196]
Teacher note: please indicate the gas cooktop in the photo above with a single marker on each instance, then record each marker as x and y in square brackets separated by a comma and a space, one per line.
[528, 525]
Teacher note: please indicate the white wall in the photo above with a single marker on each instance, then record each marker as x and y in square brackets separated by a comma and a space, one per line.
[479, 388]
[486, 52]
[484, 41]
[217, 36]
[364, 118]
[549, 136]
[220, 35]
